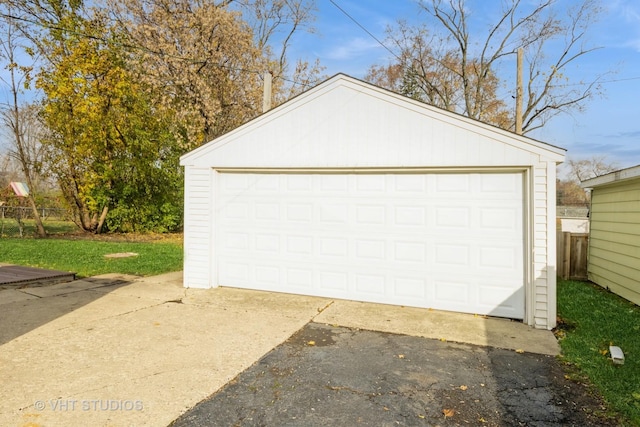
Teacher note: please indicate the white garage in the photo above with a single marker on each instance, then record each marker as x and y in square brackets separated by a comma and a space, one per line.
[351, 191]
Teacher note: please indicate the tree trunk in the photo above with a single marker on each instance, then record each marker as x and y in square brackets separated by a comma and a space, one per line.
[36, 216]
[103, 217]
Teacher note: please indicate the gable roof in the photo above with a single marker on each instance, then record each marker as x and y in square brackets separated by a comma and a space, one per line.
[346, 122]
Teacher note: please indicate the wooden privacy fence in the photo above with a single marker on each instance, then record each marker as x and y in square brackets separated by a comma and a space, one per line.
[572, 255]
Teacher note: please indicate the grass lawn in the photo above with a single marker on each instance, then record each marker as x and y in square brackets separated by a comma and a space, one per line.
[592, 319]
[86, 257]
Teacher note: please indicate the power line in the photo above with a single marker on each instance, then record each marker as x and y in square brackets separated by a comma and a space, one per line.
[598, 82]
[365, 30]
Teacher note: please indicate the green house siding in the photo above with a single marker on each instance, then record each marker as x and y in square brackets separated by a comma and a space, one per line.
[614, 242]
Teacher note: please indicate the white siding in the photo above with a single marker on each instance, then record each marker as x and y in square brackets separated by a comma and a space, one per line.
[197, 227]
[543, 295]
[327, 131]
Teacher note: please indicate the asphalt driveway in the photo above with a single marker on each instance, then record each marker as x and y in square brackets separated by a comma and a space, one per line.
[334, 376]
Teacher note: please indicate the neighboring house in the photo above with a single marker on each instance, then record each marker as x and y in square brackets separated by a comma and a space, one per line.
[614, 239]
[352, 191]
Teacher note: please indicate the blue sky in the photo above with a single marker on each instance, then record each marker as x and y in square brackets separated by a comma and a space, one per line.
[610, 125]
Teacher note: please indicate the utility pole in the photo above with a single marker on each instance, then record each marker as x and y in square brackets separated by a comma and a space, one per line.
[266, 94]
[519, 93]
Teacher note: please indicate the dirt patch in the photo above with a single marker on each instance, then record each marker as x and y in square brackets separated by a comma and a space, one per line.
[121, 255]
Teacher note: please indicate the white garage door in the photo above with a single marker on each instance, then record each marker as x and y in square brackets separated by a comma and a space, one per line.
[449, 241]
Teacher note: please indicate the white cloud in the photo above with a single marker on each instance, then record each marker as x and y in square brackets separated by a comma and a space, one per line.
[356, 47]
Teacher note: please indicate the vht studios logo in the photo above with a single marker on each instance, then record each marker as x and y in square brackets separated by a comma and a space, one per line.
[63, 405]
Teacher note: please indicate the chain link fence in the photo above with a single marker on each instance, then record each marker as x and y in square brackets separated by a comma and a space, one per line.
[18, 221]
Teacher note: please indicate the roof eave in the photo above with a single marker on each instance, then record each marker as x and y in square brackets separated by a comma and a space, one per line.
[611, 178]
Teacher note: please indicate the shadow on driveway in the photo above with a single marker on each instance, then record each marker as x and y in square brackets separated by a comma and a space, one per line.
[25, 309]
[330, 375]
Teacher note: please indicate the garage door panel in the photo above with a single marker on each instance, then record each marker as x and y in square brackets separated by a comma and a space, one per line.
[334, 282]
[504, 259]
[410, 252]
[333, 213]
[332, 184]
[448, 255]
[409, 216]
[299, 212]
[452, 184]
[369, 214]
[500, 219]
[423, 240]
[370, 285]
[501, 186]
[299, 279]
[267, 243]
[453, 218]
[410, 288]
[453, 295]
[368, 184]
[410, 184]
[266, 211]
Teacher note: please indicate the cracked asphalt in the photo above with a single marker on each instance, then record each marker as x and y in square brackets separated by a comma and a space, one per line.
[329, 375]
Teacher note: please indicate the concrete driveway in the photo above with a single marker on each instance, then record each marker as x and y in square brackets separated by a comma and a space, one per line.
[117, 350]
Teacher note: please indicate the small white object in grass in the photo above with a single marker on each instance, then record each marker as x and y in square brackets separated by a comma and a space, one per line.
[121, 255]
[617, 356]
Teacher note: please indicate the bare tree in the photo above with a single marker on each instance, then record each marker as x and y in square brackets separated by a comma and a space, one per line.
[471, 59]
[20, 119]
[590, 168]
[274, 24]
[429, 70]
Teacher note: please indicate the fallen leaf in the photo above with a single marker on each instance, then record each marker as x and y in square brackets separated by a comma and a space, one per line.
[448, 413]
[520, 351]
[463, 387]
[401, 356]
[482, 420]
[604, 352]
[311, 343]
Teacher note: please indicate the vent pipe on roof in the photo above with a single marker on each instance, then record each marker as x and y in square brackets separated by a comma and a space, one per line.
[266, 95]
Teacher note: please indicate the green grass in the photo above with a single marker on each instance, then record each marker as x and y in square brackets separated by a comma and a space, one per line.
[592, 319]
[86, 256]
